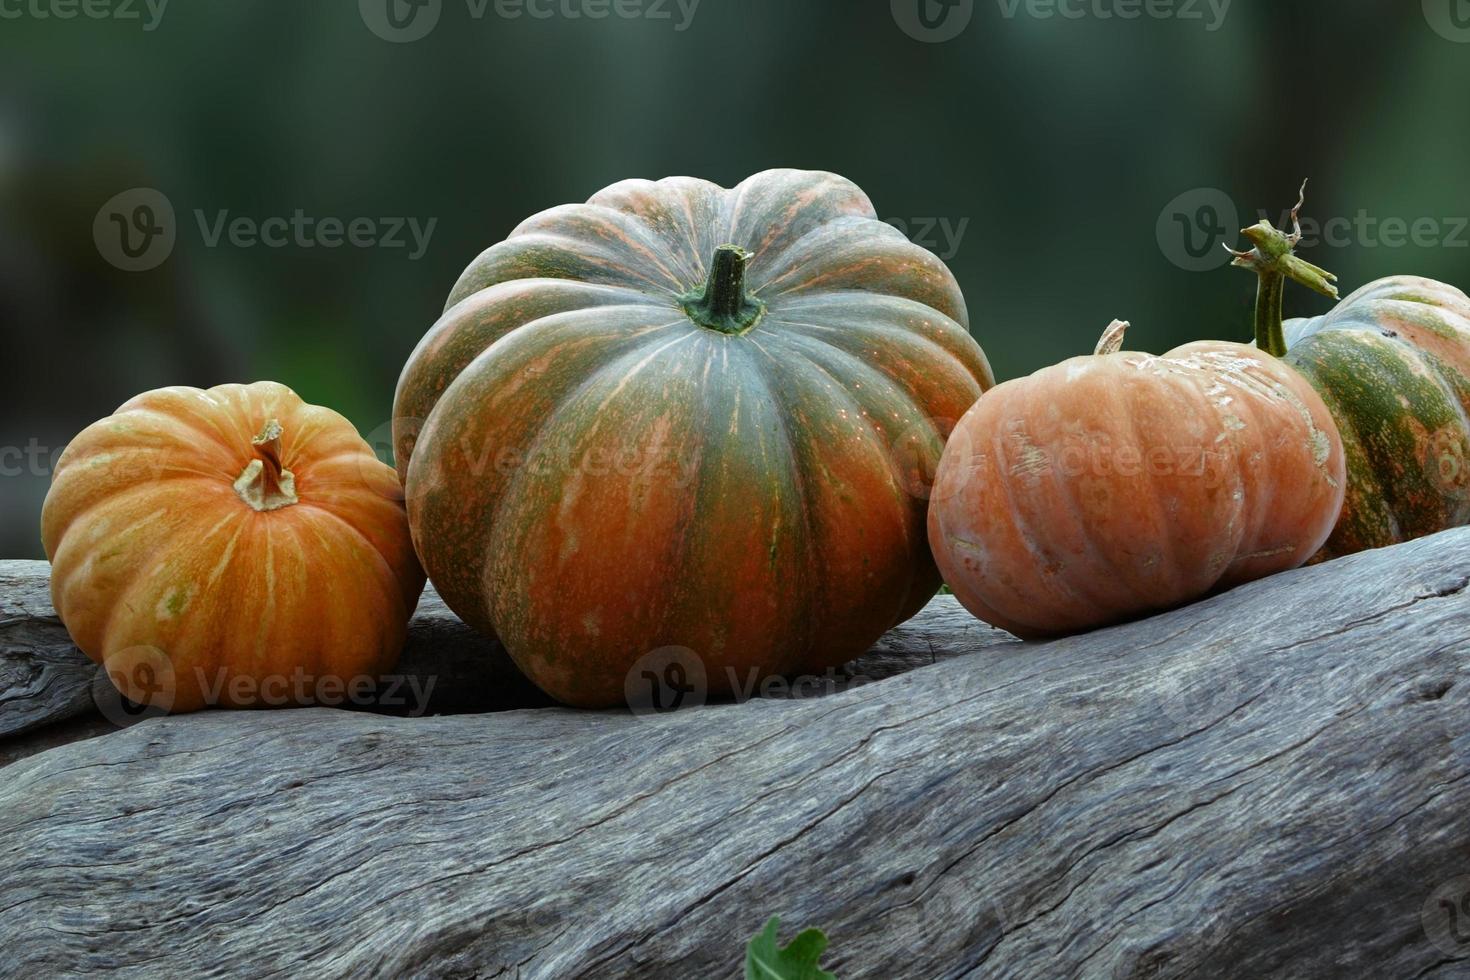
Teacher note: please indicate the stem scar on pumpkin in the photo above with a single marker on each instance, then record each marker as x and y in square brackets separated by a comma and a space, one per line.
[265, 484]
[724, 305]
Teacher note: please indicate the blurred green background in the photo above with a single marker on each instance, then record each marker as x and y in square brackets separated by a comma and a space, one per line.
[1070, 162]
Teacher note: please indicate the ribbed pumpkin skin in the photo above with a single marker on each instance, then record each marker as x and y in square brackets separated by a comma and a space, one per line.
[159, 567]
[1392, 361]
[1107, 487]
[592, 475]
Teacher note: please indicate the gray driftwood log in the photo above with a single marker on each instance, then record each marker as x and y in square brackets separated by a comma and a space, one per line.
[45, 679]
[1268, 783]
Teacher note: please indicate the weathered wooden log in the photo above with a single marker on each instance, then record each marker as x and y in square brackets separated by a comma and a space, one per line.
[446, 667]
[1268, 783]
[43, 677]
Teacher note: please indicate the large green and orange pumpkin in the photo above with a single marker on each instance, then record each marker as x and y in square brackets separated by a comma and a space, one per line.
[1112, 486]
[1392, 362]
[232, 546]
[684, 416]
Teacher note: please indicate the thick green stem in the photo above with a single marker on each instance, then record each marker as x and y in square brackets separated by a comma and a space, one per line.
[1274, 261]
[723, 304]
[1270, 291]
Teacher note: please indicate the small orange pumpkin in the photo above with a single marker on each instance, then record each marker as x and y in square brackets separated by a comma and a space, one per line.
[1110, 486]
[234, 546]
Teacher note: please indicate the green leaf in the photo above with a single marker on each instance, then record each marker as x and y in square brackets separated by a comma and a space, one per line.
[764, 960]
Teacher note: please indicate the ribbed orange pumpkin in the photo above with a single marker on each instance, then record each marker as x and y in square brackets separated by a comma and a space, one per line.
[234, 546]
[684, 416]
[1110, 486]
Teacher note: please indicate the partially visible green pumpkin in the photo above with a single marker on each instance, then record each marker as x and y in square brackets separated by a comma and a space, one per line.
[1392, 362]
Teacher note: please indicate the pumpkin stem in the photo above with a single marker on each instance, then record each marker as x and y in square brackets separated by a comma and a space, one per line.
[264, 484]
[1274, 261]
[1112, 338]
[723, 304]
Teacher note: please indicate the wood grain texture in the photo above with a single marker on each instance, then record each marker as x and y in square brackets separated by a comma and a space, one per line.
[445, 668]
[43, 677]
[1268, 783]
[89, 724]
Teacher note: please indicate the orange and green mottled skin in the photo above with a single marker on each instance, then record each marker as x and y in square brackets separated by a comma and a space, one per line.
[1392, 362]
[596, 466]
[197, 579]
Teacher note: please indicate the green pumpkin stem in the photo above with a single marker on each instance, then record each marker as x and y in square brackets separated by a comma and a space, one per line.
[723, 304]
[265, 484]
[1274, 261]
